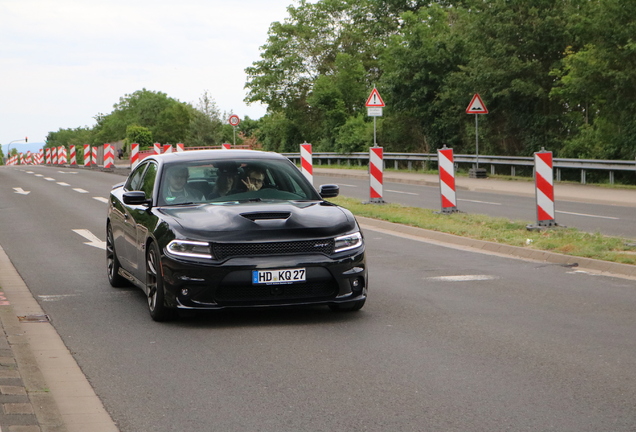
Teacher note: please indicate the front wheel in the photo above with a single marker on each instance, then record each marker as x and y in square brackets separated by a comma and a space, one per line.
[154, 285]
[112, 262]
[347, 307]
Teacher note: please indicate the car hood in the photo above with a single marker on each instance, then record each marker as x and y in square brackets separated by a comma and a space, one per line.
[260, 221]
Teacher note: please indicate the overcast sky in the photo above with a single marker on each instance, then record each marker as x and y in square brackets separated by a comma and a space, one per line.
[64, 61]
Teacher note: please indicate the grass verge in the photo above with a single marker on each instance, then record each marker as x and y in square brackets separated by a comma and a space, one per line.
[568, 241]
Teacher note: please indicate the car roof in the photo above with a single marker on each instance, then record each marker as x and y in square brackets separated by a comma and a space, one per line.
[203, 155]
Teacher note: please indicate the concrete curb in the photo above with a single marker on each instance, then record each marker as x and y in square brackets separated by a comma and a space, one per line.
[593, 265]
[61, 396]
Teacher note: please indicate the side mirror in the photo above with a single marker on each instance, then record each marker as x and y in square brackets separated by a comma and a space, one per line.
[136, 198]
[329, 191]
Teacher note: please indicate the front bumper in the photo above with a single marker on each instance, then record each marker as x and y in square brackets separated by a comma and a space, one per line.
[190, 285]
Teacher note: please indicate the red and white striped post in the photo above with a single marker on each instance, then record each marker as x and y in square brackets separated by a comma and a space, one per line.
[226, 146]
[180, 147]
[21, 159]
[446, 164]
[109, 156]
[167, 148]
[157, 148]
[54, 155]
[376, 170]
[544, 186]
[134, 155]
[40, 157]
[29, 158]
[306, 162]
[87, 155]
[73, 157]
[61, 155]
[47, 155]
[94, 156]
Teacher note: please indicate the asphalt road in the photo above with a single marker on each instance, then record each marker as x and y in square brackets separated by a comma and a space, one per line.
[612, 220]
[449, 340]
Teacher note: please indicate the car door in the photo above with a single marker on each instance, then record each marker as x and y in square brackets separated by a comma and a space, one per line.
[142, 219]
[120, 218]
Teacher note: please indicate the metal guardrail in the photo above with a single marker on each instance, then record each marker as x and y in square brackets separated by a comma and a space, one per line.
[424, 159]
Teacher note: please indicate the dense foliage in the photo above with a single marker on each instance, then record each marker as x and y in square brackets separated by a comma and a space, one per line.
[558, 74]
[146, 117]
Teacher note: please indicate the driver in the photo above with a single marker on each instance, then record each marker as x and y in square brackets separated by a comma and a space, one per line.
[177, 190]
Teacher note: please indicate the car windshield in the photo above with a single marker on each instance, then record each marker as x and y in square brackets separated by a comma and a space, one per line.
[233, 181]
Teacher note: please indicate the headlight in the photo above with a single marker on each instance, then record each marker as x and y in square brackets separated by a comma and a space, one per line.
[189, 249]
[348, 242]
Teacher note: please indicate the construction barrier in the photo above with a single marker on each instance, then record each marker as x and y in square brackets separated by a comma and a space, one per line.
[61, 155]
[94, 156]
[47, 156]
[87, 155]
[306, 163]
[180, 147]
[446, 164]
[54, 155]
[376, 169]
[109, 156]
[134, 155]
[73, 158]
[544, 186]
[157, 148]
[226, 146]
[167, 148]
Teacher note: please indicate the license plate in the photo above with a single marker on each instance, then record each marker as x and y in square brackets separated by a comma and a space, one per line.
[275, 277]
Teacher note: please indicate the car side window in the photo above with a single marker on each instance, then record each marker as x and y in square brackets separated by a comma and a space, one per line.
[134, 180]
[149, 178]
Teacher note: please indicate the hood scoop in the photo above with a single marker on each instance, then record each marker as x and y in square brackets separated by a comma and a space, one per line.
[266, 216]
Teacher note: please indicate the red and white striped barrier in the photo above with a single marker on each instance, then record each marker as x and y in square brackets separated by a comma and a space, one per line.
[73, 157]
[29, 158]
[40, 157]
[109, 156]
[94, 156]
[167, 148]
[446, 164]
[180, 147]
[47, 156]
[54, 155]
[21, 156]
[87, 155]
[544, 185]
[157, 148]
[226, 146]
[61, 155]
[306, 162]
[134, 155]
[376, 169]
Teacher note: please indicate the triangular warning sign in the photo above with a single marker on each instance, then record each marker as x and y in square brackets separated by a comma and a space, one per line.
[374, 100]
[476, 106]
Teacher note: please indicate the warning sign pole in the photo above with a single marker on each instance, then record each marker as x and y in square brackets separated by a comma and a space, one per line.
[476, 106]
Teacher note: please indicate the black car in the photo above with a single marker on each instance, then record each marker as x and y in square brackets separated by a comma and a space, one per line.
[214, 229]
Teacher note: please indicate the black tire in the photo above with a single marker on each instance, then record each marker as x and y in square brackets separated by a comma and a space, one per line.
[347, 307]
[154, 285]
[112, 262]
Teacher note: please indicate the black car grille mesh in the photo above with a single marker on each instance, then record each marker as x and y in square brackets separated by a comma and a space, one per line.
[230, 250]
[293, 293]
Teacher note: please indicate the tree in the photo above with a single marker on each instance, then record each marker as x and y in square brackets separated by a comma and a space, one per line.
[205, 127]
[139, 135]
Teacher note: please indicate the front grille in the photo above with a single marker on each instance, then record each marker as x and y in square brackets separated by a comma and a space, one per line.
[272, 294]
[230, 250]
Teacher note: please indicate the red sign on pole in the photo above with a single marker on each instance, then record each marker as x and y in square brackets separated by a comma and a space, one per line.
[375, 100]
[476, 106]
[234, 120]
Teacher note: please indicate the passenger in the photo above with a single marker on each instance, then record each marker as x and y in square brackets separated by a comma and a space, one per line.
[224, 184]
[177, 190]
[255, 176]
